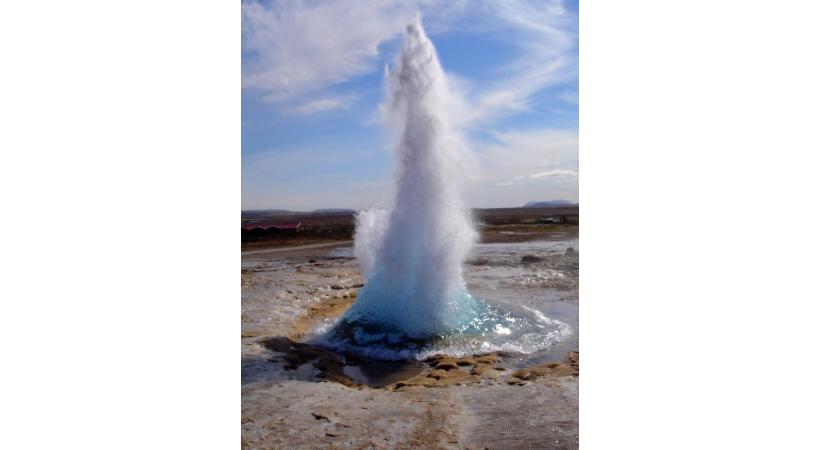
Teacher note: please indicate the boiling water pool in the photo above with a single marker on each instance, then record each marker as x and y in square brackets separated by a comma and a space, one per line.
[525, 297]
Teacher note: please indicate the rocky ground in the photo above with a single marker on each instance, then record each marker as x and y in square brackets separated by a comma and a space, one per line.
[296, 395]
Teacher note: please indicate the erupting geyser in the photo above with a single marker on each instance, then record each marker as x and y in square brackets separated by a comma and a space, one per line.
[415, 299]
[412, 255]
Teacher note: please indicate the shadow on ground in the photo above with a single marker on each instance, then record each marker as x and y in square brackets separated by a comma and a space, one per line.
[308, 362]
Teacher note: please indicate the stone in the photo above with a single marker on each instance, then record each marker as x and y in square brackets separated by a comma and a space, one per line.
[485, 370]
[446, 365]
[489, 358]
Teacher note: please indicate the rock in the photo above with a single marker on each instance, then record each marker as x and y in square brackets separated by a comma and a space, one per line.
[572, 359]
[557, 369]
[569, 251]
[435, 358]
[531, 373]
[447, 364]
[529, 259]
[329, 364]
[490, 358]
[452, 376]
[418, 381]
[319, 416]
[485, 370]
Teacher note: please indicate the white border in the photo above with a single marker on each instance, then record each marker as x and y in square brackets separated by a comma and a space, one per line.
[119, 174]
[120, 257]
[698, 161]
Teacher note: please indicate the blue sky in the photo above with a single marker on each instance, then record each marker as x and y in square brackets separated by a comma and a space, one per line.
[312, 83]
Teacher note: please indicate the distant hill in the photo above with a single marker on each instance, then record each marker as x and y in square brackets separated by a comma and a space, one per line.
[548, 203]
[285, 214]
[266, 211]
[263, 213]
[334, 210]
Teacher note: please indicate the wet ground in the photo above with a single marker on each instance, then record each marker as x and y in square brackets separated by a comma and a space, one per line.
[296, 394]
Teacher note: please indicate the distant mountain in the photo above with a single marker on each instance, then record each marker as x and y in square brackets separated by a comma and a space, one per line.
[263, 213]
[266, 211]
[271, 213]
[548, 203]
[334, 210]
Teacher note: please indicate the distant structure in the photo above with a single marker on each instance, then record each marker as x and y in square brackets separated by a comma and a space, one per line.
[551, 219]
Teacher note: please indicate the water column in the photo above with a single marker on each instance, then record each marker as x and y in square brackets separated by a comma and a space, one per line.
[412, 254]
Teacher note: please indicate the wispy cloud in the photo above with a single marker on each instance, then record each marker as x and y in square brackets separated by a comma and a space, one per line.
[325, 104]
[545, 34]
[291, 48]
[554, 173]
[535, 165]
[515, 154]
[569, 97]
[306, 57]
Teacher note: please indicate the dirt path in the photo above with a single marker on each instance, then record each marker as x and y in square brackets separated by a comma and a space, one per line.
[295, 247]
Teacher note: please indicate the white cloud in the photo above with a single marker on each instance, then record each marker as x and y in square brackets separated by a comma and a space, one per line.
[569, 97]
[545, 33]
[515, 155]
[517, 167]
[296, 53]
[555, 173]
[294, 47]
[325, 104]
[532, 165]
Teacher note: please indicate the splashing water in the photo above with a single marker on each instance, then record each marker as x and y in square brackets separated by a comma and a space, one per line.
[412, 253]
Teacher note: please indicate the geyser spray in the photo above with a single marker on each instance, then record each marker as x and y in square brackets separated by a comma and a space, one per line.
[412, 253]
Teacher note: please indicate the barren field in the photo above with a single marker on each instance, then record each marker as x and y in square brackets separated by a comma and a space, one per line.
[296, 394]
[495, 225]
